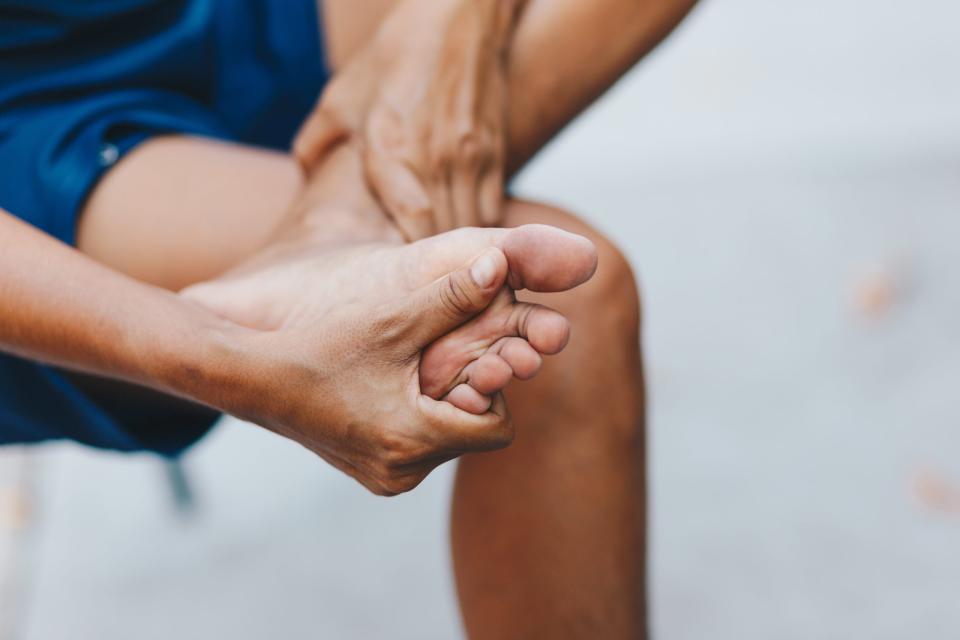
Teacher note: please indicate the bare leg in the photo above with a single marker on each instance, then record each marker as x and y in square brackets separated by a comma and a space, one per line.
[181, 209]
[334, 211]
[548, 536]
[228, 197]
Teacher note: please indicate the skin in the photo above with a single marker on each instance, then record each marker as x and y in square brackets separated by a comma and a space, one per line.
[558, 57]
[513, 531]
[491, 490]
[476, 360]
[337, 371]
[394, 93]
[301, 285]
[547, 535]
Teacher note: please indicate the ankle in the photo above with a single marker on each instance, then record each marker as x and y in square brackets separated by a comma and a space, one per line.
[327, 224]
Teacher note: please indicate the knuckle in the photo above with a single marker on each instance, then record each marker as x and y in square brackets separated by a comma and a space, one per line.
[438, 161]
[393, 483]
[471, 147]
[396, 486]
[389, 325]
[500, 434]
[378, 489]
[417, 212]
[396, 451]
[519, 317]
[386, 133]
[503, 436]
[491, 214]
[455, 298]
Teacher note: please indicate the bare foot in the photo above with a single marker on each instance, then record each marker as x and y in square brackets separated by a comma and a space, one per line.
[466, 366]
[340, 247]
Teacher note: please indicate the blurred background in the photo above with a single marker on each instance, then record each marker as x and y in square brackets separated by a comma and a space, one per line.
[786, 180]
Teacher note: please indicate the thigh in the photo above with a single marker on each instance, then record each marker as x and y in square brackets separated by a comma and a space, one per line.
[178, 209]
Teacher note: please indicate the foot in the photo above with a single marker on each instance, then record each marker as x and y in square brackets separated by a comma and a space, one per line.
[468, 366]
[295, 277]
[338, 223]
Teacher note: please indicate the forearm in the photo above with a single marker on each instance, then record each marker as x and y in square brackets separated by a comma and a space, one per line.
[561, 54]
[565, 53]
[59, 307]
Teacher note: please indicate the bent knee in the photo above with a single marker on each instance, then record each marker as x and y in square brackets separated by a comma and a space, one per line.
[611, 298]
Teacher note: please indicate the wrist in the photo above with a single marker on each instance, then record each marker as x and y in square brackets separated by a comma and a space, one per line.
[201, 357]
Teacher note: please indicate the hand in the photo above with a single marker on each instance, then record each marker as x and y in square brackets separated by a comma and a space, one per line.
[331, 352]
[427, 99]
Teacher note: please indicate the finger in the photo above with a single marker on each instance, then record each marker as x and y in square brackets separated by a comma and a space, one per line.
[465, 397]
[319, 133]
[442, 306]
[463, 194]
[401, 194]
[463, 431]
[443, 202]
[491, 197]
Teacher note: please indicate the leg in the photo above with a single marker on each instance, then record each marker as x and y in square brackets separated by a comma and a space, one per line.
[548, 535]
[565, 54]
[333, 211]
[176, 211]
[562, 508]
[182, 209]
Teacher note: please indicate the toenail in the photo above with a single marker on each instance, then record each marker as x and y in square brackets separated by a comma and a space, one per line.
[484, 269]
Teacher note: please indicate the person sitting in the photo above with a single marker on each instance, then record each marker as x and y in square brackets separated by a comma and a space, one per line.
[347, 274]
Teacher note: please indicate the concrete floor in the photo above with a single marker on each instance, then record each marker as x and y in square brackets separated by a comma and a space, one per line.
[786, 179]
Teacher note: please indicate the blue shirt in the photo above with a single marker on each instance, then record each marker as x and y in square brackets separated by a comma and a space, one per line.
[81, 83]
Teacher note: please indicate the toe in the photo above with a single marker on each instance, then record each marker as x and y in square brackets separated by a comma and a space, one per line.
[544, 258]
[523, 359]
[540, 257]
[465, 397]
[547, 331]
[445, 363]
[489, 373]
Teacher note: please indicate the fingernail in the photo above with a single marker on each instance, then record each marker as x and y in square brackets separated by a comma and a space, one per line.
[484, 269]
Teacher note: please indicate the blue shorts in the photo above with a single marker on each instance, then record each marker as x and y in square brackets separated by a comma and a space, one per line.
[81, 83]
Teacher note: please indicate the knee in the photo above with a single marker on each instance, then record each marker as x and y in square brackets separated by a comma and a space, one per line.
[610, 302]
[612, 297]
[603, 359]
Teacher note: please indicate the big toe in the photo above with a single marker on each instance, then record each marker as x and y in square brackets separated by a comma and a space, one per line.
[540, 257]
[545, 258]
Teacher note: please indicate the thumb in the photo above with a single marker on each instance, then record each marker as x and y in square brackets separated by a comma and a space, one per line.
[442, 306]
[322, 130]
